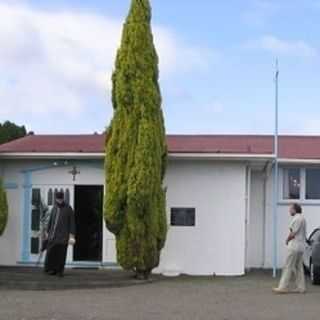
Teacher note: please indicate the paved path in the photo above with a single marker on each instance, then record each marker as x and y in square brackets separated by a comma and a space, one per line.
[184, 298]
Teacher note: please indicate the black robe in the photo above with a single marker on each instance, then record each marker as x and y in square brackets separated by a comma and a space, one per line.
[61, 225]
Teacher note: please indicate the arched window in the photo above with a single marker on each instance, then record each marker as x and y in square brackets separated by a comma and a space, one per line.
[50, 197]
[67, 196]
[55, 194]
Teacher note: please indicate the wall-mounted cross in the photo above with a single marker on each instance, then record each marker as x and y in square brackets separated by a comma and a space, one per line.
[74, 172]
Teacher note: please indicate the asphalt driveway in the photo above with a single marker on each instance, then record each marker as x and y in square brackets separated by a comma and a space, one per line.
[248, 297]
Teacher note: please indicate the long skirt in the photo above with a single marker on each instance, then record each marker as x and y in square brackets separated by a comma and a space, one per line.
[55, 258]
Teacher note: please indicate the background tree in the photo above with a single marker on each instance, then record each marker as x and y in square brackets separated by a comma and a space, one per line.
[10, 131]
[3, 208]
[136, 149]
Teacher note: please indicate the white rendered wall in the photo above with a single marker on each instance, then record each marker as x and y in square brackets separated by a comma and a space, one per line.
[255, 253]
[216, 244]
[310, 211]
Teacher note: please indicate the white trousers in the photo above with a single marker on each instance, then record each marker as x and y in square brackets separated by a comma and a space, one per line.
[293, 273]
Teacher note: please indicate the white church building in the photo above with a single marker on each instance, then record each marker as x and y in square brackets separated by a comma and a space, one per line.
[219, 199]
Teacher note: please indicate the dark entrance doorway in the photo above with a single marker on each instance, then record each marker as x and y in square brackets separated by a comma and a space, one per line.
[88, 216]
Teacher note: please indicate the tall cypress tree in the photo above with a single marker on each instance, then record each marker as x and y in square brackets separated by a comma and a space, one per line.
[3, 208]
[136, 149]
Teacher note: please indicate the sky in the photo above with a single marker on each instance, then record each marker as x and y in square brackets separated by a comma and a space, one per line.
[217, 64]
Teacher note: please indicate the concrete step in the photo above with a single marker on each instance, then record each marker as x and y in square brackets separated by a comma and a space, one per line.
[25, 278]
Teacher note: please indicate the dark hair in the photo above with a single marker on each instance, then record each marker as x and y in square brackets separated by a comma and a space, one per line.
[59, 195]
[297, 208]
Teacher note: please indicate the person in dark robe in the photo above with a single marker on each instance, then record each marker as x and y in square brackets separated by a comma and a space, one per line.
[60, 233]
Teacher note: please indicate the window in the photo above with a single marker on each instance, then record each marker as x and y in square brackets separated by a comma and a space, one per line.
[67, 196]
[313, 184]
[291, 183]
[35, 213]
[50, 197]
[35, 219]
[184, 217]
[55, 195]
[36, 197]
[34, 245]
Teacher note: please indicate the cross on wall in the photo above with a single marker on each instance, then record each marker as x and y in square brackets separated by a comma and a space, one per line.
[74, 172]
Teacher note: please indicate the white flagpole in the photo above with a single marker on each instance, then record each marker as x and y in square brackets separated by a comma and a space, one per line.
[276, 175]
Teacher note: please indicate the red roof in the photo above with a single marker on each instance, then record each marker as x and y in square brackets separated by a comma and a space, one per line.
[55, 144]
[292, 147]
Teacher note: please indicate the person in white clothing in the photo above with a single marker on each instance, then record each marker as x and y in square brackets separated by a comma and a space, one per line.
[293, 279]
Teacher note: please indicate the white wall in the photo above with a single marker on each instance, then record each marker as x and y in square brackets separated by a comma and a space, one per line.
[216, 244]
[312, 215]
[310, 211]
[255, 253]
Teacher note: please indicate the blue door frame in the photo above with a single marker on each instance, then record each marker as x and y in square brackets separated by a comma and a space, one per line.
[26, 202]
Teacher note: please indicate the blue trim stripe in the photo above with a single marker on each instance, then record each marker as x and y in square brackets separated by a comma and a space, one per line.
[42, 168]
[25, 217]
[10, 185]
[59, 164]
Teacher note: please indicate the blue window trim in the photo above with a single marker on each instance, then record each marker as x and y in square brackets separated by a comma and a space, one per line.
[27, 190]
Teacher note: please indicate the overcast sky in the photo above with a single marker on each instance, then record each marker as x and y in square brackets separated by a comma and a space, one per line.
[217, 64]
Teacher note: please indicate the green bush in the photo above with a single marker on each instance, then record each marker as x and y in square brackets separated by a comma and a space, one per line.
[3, 208]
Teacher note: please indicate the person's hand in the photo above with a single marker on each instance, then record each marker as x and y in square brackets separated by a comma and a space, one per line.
[72, 241]
[45, 235]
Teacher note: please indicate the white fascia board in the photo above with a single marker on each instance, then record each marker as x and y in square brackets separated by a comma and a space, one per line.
[299, 161]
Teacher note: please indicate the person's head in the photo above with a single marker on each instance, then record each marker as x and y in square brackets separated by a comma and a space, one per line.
[294, 209]
[60, 198]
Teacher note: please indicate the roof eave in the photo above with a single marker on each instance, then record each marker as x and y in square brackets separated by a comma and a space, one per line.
[172, 155]
[219, 156]
[99, 155]
[51, 155]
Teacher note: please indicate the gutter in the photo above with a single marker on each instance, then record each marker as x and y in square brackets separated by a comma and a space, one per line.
[299, 161]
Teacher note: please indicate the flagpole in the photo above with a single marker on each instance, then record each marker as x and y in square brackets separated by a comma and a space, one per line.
[276, 175]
